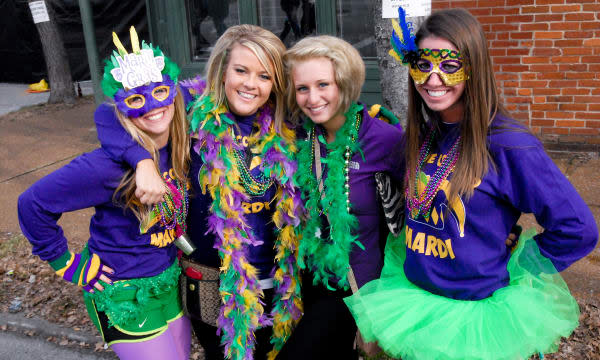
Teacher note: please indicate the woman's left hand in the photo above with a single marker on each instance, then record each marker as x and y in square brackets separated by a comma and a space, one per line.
[513, 237]
[150, 186]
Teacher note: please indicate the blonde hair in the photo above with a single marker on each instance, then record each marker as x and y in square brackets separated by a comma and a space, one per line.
[481, 101]
[348, 68]
[180, 155]
[268, 49]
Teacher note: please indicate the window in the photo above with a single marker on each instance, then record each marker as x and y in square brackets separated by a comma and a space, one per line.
[291, 20]
[208, 19]
[355, 25]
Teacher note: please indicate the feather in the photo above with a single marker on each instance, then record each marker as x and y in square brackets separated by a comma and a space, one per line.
[135, 41]
[119, 45]
[408, 39]
[403, 44]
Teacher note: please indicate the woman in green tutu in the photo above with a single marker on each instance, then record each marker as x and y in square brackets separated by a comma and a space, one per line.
[450, 288]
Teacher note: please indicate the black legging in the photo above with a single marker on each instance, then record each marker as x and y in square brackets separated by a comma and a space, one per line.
[211, 343]
[327, 329]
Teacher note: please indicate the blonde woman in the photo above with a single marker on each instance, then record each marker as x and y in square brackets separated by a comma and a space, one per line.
[129, 278]
[244, 205]
[337, 160]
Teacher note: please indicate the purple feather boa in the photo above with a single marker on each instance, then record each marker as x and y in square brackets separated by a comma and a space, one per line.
[215, 146]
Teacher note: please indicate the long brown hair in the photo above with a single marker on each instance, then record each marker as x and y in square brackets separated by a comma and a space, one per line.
[480, 99]
[180, 156]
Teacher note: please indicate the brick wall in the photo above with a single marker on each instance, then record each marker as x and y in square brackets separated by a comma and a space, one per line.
[546, 56]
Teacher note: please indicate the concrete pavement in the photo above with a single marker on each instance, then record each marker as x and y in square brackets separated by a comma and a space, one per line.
[13, 96]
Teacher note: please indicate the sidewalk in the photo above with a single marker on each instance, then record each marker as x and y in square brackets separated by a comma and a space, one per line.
[28, 341]
[13, 96]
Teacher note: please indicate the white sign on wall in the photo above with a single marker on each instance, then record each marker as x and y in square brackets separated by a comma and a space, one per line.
[389, 8]
[39, 11]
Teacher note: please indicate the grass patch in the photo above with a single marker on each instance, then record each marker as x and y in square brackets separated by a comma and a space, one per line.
[11, 244]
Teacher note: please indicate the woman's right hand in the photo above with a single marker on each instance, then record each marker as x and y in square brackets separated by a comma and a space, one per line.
[96, 284]
[150, 186]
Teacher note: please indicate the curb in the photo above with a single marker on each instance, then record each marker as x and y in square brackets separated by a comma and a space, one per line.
[46, 329]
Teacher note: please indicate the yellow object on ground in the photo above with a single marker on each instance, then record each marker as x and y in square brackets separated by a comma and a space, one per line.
[41, 86]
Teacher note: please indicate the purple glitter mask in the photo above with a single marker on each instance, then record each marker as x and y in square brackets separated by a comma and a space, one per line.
[140, 100]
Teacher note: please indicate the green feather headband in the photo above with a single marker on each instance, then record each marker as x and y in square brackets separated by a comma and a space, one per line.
[110, 86]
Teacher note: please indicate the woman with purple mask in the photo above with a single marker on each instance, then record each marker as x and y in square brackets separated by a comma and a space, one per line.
[244, 205]
[128, 268]
[450, 288]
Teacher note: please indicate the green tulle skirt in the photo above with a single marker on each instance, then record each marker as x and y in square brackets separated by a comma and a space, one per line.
[528, 316]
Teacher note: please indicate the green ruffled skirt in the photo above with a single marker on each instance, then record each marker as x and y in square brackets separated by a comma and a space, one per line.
[528, 316]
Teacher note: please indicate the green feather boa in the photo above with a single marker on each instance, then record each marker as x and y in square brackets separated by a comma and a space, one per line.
[328, 259]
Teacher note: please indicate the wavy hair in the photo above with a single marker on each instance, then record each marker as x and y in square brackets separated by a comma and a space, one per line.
[269, 51]
[179, 141]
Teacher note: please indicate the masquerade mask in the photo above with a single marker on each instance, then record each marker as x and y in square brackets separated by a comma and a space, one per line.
[142, 99]
[446, 63]
[139, 81]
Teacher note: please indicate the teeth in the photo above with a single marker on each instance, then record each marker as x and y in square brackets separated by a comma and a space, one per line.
[436, 93]
[319, 108]
[246, 95]
[155, 116]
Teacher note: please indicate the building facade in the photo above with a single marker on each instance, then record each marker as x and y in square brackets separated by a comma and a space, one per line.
[189, 28]
[546, 53]
[546, 56]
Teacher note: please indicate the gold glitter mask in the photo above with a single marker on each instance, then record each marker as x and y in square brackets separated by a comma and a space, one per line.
[448, 64]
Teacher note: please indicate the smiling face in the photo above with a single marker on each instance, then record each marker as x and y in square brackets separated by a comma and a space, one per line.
[317, 93]
[247, 83]
[156, 123]
[437, 95]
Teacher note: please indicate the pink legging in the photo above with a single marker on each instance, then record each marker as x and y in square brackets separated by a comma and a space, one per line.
[174, 344]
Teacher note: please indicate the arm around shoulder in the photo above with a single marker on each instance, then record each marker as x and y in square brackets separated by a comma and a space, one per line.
[115, 140]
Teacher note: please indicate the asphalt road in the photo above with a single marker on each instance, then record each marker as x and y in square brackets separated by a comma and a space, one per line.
[16, 346]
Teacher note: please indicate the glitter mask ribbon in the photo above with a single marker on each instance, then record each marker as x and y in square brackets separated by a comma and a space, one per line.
[140, 100]
[448, 64]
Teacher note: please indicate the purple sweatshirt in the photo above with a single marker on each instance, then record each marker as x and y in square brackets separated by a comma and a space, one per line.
[258, 210]
[460, 251]
[90, 180]
[381, 145]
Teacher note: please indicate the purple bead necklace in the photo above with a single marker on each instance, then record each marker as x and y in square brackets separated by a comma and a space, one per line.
[420, 204]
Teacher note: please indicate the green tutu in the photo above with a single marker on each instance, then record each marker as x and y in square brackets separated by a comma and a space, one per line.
[528, 316]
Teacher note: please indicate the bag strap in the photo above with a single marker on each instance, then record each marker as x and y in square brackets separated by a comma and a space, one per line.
[352, 280]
